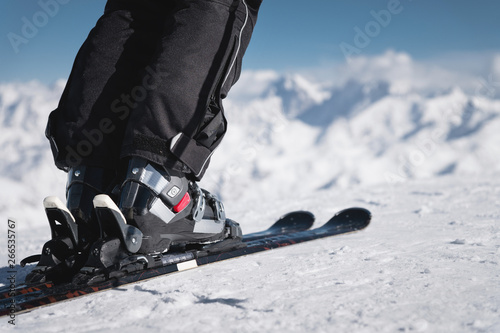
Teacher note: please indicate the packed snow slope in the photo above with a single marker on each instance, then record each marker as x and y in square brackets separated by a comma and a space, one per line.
[415, 143]
[429, 262]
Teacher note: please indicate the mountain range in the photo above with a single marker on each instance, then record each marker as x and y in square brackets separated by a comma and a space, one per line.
[377, 120]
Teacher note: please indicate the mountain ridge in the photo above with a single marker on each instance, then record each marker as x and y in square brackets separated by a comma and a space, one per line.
[287, 131]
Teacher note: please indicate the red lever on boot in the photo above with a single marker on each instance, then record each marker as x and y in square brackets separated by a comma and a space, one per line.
[183, 203]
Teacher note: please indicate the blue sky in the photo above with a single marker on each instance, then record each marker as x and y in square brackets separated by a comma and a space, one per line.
[290, 35]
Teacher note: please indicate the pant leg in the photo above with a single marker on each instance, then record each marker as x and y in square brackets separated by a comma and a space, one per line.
[176, 116]
[84, 129]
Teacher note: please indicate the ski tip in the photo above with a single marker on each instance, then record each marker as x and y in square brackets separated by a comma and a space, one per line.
[355, 210]
[361, 216]
[302, 218]
[303, 214]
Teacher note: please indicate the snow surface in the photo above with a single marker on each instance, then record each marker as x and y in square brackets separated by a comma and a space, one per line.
[414, 143]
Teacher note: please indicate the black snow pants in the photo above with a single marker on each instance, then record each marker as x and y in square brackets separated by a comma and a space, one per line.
[149, 81]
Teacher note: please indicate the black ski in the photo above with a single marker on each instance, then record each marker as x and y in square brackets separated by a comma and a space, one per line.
[346, 221]
[288, 223]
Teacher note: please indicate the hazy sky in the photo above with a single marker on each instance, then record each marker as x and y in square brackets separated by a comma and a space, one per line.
[290, 34]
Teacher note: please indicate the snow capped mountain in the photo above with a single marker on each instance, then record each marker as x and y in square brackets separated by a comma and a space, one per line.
[390, 120]
[384, 119]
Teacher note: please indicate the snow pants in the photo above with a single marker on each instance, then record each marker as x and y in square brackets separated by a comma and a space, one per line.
[149, 81]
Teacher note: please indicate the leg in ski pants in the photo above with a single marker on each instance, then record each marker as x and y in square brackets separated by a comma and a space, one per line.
[149, 80]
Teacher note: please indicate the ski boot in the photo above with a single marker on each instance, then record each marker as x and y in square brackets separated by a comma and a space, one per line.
[158, 209]
[73, 227]
[171, 210]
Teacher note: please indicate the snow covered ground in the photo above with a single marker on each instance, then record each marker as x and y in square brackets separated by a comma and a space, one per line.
[415, 144]
[429, 262]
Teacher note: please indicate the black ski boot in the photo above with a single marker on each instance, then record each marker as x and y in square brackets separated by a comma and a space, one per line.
[73, 228]
[171, 210]
[158, 209]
